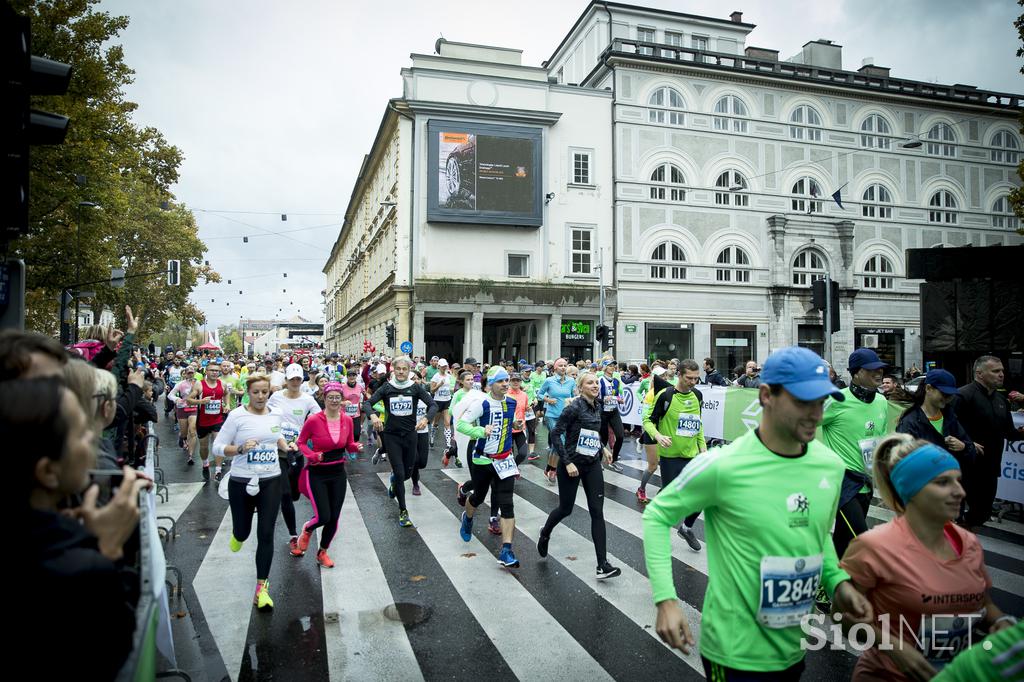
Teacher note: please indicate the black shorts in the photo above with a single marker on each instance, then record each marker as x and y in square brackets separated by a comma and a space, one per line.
[204, 431]
[645, 439]
[442, 405]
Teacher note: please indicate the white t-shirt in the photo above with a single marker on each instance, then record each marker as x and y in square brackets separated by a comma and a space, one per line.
[293, 410]
[242, 425]
[309, 390]
[277, 379]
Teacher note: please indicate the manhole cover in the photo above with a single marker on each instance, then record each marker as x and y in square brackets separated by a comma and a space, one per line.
[407, 613]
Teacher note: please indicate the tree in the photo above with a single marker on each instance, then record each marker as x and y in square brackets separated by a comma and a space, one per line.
[230, 342]
[109, 160]
[1017, 193]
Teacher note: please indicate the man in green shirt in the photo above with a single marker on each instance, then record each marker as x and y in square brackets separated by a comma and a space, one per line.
[769, 501]
[674, 422]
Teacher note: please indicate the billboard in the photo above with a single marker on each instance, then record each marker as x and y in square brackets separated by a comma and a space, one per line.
[481, 173]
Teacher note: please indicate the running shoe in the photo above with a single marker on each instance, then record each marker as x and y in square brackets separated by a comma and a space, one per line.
[323, 559]
[190, 461]
[391, 487]
[262, 599]
[458, 462]
[690, 537]
[206, 474]
[616, 467]
[532, 458]
[416, 489]
[293, 546]
[639, 447]
[461, 496]
[466, 528]
[303, 541]
[551, 475]
[542, 544]
[403, 519]
[181, 443]
[444, 460]
[494, 526]
[235, 545]
[507, 558]
[375, 459]
[641, 496]
[431, 439]
[606, 570]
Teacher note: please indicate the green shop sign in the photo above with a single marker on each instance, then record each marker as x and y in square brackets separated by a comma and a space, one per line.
[576, 330]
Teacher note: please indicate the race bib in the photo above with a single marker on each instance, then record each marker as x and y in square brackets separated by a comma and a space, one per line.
[212, 407]
[689, 425]
[788, 587]
[867, 451]
[945, 636]
[421, 413]
[401, 405]
[289, 432]
[494, 440]
[610, 403]
[529, 415]
[444, 393]
[351, 409]
[263, 460]
[505, 467]
[589, 443]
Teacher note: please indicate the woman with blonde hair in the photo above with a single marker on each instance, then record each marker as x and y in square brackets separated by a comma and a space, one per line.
[924, 576]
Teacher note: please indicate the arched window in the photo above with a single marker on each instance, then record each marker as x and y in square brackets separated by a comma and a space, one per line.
[878, 273]
[808, 266]
[669, 262]
[733, 265]
[667, 180]
[1006, 147]
[805, 123]
[1002, 214]
[941, 140]
[877, 202]
[806, 195]
[732, 114]
[732, 184]
[875, 132]
[666, 104]
[942, 207]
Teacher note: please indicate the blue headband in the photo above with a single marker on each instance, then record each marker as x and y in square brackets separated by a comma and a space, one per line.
[917, 469]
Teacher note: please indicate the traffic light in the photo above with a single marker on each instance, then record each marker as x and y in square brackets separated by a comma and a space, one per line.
[609, 339]
[174, 273]
[24, 76]
[818, 288]
[602, 332]
[390, 331]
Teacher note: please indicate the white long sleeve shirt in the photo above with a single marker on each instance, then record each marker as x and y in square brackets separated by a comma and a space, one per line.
[242, 425]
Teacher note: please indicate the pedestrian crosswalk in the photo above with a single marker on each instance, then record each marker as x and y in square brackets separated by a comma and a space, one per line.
[550, 619]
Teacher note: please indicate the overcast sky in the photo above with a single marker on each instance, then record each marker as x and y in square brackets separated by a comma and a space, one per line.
[274, 104]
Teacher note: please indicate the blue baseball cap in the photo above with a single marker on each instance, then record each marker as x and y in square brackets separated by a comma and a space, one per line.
[942, 380]
[497, 374]
[864, 358]
[800, 371]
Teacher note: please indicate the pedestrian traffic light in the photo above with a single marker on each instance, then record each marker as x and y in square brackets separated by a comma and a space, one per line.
[602, 332]
[609, 339]
[390, 331]
[174, 273]
[25, 75]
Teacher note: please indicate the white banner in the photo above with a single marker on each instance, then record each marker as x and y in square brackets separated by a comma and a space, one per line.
[712, 410]
[1011, 474]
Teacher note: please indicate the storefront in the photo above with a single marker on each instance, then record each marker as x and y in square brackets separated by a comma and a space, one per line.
[577, 340]
[667, 341]
[732, 346]
[888, 342]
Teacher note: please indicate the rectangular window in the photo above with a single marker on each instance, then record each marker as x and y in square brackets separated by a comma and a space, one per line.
[581, 251]
[699, 42]
[581, 164]
[673, 38]
[811, 336]
[645, 35]
[518, 265]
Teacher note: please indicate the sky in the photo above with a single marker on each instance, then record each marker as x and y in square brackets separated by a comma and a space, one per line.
[274, 104]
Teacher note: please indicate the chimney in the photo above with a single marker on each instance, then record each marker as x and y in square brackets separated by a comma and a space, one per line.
[868, 68]
[762, 53]
[736, 17]
[821, 53]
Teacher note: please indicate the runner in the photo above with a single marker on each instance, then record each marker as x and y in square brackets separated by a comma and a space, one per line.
[442, 383]
[460, 443]
[185, 413]
[530, 388]
[554, 392]
[579, 462]
[769, 501]
[422, 440]
[209, 396]
[675, 424]
[353, 395]
[611, 398]
[310, 387]
[399, 397]
[922, 552]
[325, 439]
[490, 421]
[649, 387]
[294, 407]
[251, 435]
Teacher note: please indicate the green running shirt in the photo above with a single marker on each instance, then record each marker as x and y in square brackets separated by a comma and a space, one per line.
[681, 423]
[851, 428]
[767, 520]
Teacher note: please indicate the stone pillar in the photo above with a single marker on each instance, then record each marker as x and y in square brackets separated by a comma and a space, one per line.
[844, 228]
[476, 344]
[778, 267]
[419, 336]
[554, 337]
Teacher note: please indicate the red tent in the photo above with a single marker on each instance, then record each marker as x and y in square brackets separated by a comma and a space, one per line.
[208, 346]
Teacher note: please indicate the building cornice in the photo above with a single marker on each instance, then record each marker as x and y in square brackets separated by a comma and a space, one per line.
[426, 108]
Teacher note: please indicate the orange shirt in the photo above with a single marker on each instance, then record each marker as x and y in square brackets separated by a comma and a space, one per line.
[522, 402]
[917, 589]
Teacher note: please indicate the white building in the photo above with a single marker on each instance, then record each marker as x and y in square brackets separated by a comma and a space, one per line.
[726, 158]
[287, 335]
[713, 202]
[86, 317]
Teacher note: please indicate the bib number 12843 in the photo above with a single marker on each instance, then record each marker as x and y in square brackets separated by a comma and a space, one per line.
[788, 587]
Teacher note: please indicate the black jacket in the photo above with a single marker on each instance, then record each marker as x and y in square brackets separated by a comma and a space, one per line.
[917, 425]
[404, 424]
[577, 415]
[987, 418]
[714, 378]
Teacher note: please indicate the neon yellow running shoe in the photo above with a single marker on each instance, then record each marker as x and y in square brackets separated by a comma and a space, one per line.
[235, 545]
[262, 599]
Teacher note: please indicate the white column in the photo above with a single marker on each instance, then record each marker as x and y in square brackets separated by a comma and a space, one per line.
[476, 344]
[419, 333]
[554, 337]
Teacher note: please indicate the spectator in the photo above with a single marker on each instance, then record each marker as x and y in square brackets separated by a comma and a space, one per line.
[28, 355]
[711, 375]
[834, 378]
[889, 384]
[985, 414]
[751, 377]
[912, 372]
[931, 417]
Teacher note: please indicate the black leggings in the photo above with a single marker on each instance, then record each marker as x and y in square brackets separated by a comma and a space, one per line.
[484, 477]
[403, 451]
[670, 468]
[422, 454]
[851, 521]
[613, 420]
[327, 486]
[593, 485]
[531, 430]
[287, 505]
[265, 504]
[521, 450]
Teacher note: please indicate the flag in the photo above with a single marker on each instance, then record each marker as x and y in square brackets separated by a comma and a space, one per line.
[837, 196]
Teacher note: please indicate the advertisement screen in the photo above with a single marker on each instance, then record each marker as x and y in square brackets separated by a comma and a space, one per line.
[485, 174]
